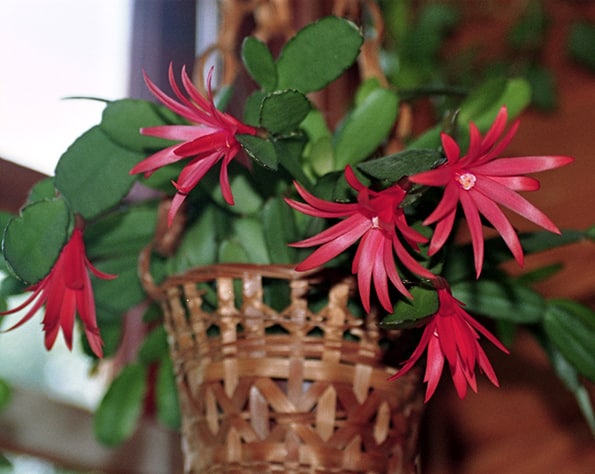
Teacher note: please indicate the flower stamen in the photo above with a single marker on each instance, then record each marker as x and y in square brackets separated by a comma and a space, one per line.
[466, 180]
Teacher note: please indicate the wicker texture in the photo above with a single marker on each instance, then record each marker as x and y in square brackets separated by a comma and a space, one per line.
[292, 391]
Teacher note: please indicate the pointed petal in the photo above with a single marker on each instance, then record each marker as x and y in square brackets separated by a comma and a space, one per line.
[451, 149]
[320, 207]
[177, 132]
[441, 233]
[333, 248]
[436, 177]
[410, 263]
[194, 171]
[459, 380]
[157, 160]
[475, 229]
[502, 144]
[417, 353]
[352, 180]
[502, 225]
[498, 126]
[486, 367]
[174, 207]
[507, 198]
[211, 143]
[434, 366]
[447, 204]
[523, 165]
[67, 314]
[393, 275]
[517, 183]
[224, 180]
[350, 229]
[487, 334]
[367, 253]
[181, 109]
[475, 142]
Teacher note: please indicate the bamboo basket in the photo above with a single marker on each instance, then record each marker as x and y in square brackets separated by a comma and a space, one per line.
[291, 390]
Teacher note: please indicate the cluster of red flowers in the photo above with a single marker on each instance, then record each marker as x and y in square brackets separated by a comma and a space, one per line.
[478, 180]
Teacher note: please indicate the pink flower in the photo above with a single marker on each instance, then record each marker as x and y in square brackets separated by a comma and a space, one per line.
[480, 182]
[451, 333]
[66, 290]
[210, 139]
[379, 222]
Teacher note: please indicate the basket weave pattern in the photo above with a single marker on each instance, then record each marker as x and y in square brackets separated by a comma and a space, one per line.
[293, 391]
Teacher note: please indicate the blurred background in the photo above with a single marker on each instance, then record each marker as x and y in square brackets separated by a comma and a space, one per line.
[59, 49]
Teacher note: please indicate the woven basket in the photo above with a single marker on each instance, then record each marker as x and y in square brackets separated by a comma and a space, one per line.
[291, 390]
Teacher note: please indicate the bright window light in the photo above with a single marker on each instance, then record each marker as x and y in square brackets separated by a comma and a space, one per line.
[50, 51]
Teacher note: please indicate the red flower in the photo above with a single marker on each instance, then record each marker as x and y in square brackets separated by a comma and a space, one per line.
[64, 291]
[209, 140]
[480, 181]
[379, 222]
[451, 333]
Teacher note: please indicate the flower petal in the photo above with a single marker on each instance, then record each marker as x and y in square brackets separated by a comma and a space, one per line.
[502, 225]
[475, 229]
[523, 165]
[504, 196]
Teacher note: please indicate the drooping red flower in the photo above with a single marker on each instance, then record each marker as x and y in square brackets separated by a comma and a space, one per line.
[452, 334]
[209, 139]
[66, 290]
[378, 221]
[481, 181]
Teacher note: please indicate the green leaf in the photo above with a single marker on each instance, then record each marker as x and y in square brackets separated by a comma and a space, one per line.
[529, 32]
[543, 87]
[252, 104]
[259, 149]
[166, 393]
[42, 190]
[282, 111]
[123, 232]
[259, 63]
[247, 197]
[408, 313]
[231, 251]
[199, 245]
[581, 43]
[501, 300]
[154, 346]
[279, 230]
[120, 409]
[570, 377]
[321, 156]
[366, 127]
[5, 393]
[539, 274]
[315, 126]
[318, 54]
[459, 264]
[483, 104]
[122, 120]
[571, 328]
[543, 240]
[109, 294]
[93, 174]
[250, 234]
[405, 163]
[289, 151]
[33, 241]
